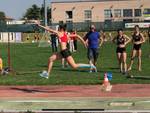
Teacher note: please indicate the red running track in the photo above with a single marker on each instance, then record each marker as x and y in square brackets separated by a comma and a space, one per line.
[120, 90]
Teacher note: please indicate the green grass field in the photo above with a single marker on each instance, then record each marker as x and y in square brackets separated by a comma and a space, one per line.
[28, 60]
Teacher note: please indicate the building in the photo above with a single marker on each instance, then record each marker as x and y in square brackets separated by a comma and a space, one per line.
[15, 37]
[101, 12]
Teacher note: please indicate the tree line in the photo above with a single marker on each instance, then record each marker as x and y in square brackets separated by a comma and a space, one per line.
[34, 12]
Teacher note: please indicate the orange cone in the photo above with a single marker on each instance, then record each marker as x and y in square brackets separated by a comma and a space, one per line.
[106, 86]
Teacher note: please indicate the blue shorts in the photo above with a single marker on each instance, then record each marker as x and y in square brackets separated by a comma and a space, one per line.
[93, 53]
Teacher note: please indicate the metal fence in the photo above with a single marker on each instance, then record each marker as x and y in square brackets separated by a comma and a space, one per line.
[84, 26]
[19, 27]
[80, 26]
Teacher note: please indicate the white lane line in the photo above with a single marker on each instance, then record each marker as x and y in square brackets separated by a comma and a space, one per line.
[44, 101]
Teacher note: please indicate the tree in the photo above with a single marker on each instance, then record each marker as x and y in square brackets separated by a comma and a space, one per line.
[48, 14]
[2, 16]
[33, 13]
[36, 12]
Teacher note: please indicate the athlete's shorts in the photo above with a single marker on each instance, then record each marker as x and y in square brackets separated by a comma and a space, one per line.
[93, 53]
[137, 47]
[120, 50]
[65, 53]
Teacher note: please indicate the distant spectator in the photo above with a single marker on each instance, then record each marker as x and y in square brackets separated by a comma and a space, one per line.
[36, 38]
[103, 35]
[149, 33]
[54, 42]
[75, 41]
[71, 43]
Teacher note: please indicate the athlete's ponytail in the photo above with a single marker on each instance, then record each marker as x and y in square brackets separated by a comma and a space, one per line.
[62, 26]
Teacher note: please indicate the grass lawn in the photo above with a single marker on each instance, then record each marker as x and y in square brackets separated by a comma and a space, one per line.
[28, 60]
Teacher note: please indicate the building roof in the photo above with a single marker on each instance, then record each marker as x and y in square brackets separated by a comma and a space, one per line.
[7, 18]
[70, 1]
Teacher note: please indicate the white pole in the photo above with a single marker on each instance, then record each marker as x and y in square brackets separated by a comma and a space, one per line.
[45, 13]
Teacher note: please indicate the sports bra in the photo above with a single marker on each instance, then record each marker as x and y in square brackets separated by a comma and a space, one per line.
[64, 38]
[136, 37]
[120, 40]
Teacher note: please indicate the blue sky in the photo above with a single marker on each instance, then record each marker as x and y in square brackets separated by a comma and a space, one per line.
[16, 8]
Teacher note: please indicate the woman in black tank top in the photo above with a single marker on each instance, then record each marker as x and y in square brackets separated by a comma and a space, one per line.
[121, 40]
[137, 40]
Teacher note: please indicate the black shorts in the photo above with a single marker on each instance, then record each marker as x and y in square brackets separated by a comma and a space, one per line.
[93, 53]
[137, 47]
[65, 53]
[120, 50]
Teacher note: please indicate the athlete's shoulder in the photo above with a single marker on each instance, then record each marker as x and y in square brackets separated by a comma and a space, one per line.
[124, 36]
[97, 33]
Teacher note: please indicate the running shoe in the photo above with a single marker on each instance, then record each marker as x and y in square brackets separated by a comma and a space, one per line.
[44, 74]
[93, 68]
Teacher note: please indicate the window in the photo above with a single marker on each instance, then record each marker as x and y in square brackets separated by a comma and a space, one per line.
[88, 14]
[12, 37]
[137, 12]
[107, 13]
[88, 24]
[147, 11]
[117, 12]
[69, 15]
[127, 13]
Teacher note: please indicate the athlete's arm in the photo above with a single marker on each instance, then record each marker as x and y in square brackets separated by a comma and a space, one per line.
[128, 39]
[46, 28]
[79, 37]
[143, 39]
[86, 39]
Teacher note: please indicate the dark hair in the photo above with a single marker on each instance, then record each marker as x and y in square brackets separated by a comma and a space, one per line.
[136, 26]
[62, 26]
[119, 30]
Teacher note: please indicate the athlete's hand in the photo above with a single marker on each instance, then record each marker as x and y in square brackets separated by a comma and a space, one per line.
[110, 34]
[47, 27]
[85, 44]
[37, 22]
[100, 45]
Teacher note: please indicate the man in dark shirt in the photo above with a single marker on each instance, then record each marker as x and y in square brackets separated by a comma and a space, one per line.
[54, 42]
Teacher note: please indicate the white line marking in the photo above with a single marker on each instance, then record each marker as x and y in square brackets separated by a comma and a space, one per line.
[44, 101]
